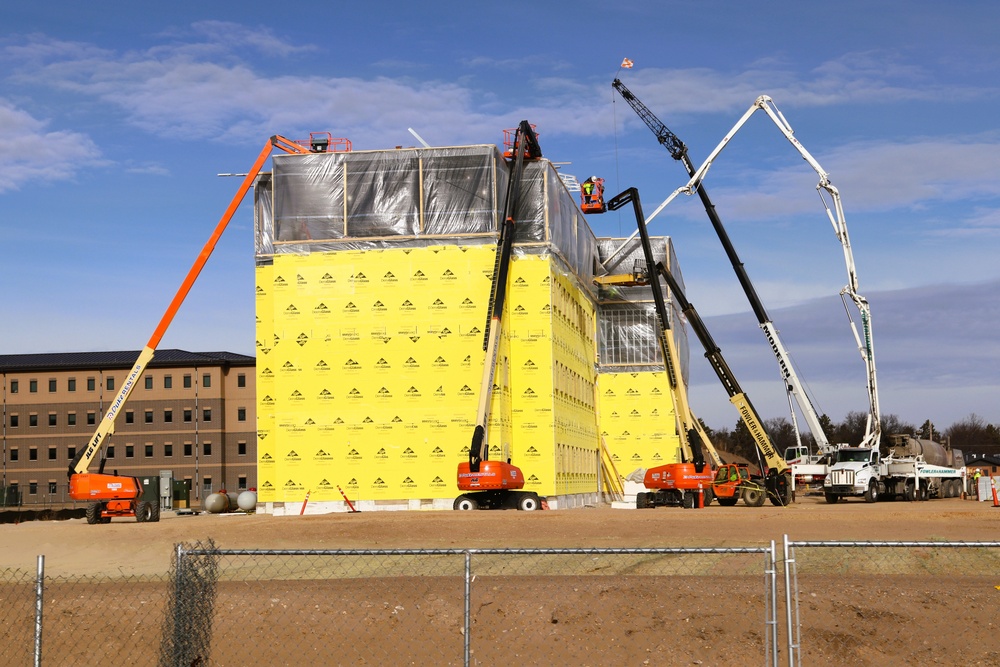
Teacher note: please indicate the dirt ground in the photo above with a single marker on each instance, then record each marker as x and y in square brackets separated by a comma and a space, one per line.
[124, 547]
[931, 609]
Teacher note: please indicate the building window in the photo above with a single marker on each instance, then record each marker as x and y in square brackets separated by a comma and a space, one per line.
[168, 382]
[111, 451]
[206, 415]
[32, 488]
[53, 488]
[206, 449]
[241, 482]
[91, 384]
[168, 450]
[32, 420]
[13, 454]
[130, 451]
[13, 489]
[13, 421]
[168, 416]
[187, 415]
[206, 485]
[52, 454]
[187, 449]
[149, 382]
[33, 386]
[71, 453]
[241, 380]
[149, 451]
[53, 420]
[53, 386]
[13, 386]
[33, 454]
[149, 416]
[71, 384]
[241, 414]
[241, 448]
[110, 383]
[71, 419]
[91, 418]
[206, 380]
[187, 381]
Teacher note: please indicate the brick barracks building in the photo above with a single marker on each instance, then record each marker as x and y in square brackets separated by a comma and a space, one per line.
[192, 413]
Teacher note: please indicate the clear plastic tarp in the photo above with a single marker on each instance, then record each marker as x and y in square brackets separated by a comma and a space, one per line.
[628, 336]
[320, 202]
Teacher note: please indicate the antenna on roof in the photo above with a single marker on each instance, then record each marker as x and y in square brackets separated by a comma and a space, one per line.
[419, 138]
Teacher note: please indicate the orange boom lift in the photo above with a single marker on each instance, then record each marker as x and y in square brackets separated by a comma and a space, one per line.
[490, 484]
[117, 495]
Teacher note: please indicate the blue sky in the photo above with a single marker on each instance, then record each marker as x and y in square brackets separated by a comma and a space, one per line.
[116, 117]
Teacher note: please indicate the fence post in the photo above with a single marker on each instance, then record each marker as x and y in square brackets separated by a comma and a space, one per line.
[772, 617]
[793, 644]
[468, 605]
[39, 598]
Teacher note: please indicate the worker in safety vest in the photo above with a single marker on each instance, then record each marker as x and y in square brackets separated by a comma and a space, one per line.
[588, 188]
[975, 481]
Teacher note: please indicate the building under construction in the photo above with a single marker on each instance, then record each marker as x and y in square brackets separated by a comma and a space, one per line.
[373, 278]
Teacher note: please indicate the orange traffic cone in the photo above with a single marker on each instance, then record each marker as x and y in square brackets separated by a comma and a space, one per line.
[993, 486]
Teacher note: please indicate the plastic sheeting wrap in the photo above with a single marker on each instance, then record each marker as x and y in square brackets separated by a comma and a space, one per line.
[628, 338]
[319, 202]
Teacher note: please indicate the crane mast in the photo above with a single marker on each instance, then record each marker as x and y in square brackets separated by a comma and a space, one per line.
[678, 150]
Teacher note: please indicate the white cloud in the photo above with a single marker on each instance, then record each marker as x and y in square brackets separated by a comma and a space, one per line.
[28, 152]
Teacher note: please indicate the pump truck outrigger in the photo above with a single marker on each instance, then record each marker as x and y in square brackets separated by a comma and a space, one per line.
[485, 483]
[118, 495]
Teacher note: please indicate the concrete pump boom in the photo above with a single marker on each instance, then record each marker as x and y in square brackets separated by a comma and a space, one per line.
[873, 429]
[793, 386]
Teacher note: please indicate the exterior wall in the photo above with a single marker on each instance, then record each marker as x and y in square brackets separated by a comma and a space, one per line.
[638, 420]
[200, 442]
[370, 365]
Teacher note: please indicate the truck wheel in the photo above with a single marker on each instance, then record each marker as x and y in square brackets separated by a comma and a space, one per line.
[925, 491]
[871, 495]
[753, 497]
[528, 502]
[465, 502]
[831, 498]
[94, 513]
[908, 490]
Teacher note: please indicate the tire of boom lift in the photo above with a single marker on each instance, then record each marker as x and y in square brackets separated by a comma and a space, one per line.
[464, 502]
[94, 513]
[154, 512]
[528, 502]
[688, 501]
[709, 496]
[142, 511]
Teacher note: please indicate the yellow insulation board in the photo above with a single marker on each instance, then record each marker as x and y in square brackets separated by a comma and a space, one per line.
[638, 420]
[370, 366]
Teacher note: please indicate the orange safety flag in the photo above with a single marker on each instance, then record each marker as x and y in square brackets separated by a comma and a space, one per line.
[626, 63]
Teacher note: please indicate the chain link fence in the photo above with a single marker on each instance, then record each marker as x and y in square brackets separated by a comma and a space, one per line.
[858, 603]
[876, 603]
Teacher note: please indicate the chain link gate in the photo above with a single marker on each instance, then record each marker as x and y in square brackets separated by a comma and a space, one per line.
[875, 603]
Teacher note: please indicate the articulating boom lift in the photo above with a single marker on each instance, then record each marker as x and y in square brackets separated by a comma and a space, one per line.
[486, 483]
[117, 495]
[793, 386]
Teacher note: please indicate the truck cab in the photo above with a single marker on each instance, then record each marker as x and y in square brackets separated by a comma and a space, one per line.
[855, 472]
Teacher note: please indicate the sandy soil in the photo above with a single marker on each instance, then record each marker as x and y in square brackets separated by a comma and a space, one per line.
[929, 610]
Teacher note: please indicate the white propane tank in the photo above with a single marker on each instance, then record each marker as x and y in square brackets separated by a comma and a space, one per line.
[217, 503]
[247, 501]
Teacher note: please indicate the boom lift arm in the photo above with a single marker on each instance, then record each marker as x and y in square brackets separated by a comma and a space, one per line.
[694, 440]
[678, 150]
[98, 486]
[835, 215]
[494, 483]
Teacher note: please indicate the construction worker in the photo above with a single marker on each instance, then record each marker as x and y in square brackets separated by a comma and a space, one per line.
[975, 481]
[588, 189]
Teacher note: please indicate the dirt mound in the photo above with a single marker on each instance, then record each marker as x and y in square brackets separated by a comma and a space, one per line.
[20, 516]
